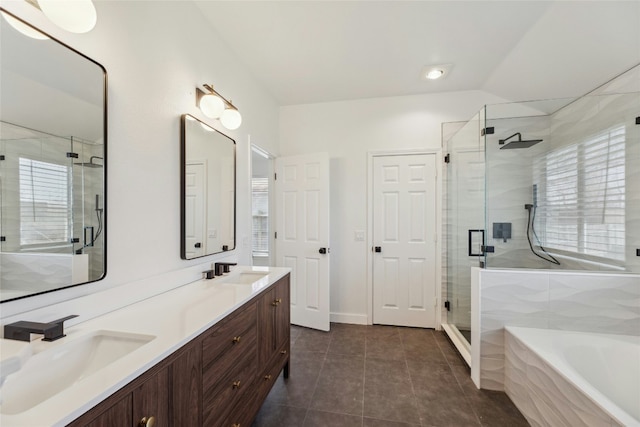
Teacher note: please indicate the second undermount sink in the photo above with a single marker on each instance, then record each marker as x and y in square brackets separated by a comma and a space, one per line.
[247, 277]
[53, 370]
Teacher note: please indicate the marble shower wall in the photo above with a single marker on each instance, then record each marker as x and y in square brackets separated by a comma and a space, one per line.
[587, 302]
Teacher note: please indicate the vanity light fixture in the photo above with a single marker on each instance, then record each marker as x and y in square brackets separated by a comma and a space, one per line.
[75, 16]
[216, 106]
[434, 72]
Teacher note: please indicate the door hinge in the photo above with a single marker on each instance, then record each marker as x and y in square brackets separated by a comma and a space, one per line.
[1, 156]
[447, 158]
[72, 155]
[487, 131]
[3, 239]
[447, 305]
[638, 120]
[275, 176]
[275, 235]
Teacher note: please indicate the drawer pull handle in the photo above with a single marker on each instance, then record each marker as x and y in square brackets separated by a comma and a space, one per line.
[236, 340]
[275, 303]
[267, 377]
[236, 384]
[147, 422]
[283, 351]
[235, 425]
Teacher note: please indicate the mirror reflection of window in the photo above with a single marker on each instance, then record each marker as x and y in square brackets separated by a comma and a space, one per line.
[45, 208]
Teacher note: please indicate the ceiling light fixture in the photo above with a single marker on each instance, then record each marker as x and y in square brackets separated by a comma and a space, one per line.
[75, 16]
[216, 106]
[434, 72]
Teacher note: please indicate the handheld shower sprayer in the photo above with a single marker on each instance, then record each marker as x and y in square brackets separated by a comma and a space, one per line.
[531, 218]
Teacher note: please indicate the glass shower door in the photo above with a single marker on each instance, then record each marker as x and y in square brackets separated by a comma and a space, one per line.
[465, 220]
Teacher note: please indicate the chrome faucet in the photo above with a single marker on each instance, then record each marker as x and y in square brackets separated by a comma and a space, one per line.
[22, 330]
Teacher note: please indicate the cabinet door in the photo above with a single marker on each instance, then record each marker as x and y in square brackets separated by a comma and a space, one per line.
[282, 312]
[151, 400]
[266, 327]
[118, 414]
[273, 320]
[186, 379]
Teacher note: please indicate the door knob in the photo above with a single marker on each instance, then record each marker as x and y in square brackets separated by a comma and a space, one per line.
[198, 245]
[377, 249]
[323, 251]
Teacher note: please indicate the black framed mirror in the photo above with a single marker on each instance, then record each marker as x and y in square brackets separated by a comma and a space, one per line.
[53, 139]
[208, 190]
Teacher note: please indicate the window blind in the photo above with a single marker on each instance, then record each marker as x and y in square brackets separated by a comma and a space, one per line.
[45, 208]
[581, 196]
[260, 212]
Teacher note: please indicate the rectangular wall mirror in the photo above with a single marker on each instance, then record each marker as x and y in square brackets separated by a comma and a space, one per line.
[208, 190]
[53, 122]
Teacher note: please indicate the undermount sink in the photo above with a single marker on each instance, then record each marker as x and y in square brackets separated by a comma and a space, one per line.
[247, 277]
[52, 370]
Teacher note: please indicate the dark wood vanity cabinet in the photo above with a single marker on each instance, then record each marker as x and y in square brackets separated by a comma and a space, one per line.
[220, 378]
[168, 394]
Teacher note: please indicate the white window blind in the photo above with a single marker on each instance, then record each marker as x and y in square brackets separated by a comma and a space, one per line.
[45, 208]
[260, 212]
[581, 196]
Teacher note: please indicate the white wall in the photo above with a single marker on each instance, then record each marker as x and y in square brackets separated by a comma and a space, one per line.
[156, 53]
[348, 130]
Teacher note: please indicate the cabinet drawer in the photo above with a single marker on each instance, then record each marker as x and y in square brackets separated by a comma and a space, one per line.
[233, 336]
[223, 392]
[269, 376]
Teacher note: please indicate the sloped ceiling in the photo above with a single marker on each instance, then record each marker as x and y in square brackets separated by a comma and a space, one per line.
[320, 51]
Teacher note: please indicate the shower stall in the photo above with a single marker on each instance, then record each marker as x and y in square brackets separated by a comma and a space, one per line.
[551, 184]
[51, 211]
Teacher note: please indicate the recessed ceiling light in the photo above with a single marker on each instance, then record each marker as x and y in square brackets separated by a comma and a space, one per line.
[433, 72]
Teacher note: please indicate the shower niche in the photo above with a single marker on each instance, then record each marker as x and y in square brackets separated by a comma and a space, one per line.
[53, 136]
[551, 184]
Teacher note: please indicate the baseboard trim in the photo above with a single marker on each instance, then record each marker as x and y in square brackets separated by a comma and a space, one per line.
[354, 319]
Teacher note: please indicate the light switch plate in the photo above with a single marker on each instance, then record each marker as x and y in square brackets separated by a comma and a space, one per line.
[359, 236]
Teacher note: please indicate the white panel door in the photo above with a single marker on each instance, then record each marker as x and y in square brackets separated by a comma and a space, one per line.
[302, 243]
[404, 239]
[194, 209]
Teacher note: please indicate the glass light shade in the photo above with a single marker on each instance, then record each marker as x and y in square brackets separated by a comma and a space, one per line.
[212, 106]
[231, 119]
[23, 28]
[75, 16]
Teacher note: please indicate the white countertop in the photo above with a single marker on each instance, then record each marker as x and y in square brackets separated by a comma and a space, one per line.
[174, 318]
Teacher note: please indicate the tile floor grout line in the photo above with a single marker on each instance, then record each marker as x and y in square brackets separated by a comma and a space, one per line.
[315, 387]
[464, 393]
[413, 389]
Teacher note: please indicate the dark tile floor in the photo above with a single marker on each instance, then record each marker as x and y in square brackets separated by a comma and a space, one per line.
[380, 376]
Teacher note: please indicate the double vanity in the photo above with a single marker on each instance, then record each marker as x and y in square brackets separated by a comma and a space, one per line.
[206, 353]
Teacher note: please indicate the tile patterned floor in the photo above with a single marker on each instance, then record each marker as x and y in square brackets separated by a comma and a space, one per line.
[380, 376]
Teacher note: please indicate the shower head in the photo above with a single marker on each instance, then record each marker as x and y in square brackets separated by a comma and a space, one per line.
[520, 143]
[90, 163]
